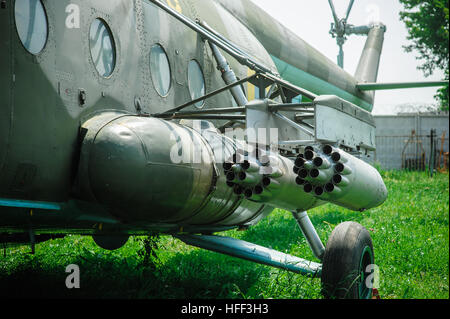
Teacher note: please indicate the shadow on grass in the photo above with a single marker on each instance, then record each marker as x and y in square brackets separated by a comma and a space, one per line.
[193, 275]
[281, 230]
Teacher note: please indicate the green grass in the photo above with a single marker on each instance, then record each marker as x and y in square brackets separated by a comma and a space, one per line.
[410, 234]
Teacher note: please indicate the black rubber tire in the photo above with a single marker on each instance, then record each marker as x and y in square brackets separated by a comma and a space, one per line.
[348, 253]
[110, 242]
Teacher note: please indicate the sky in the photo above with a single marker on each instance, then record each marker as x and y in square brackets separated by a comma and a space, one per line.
[311, 20]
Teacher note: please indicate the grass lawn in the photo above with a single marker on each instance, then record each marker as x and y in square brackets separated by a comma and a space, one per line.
[410, 233]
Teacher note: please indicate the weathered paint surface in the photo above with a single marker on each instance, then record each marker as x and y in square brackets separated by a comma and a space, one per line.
[40, 104]
[41, 114]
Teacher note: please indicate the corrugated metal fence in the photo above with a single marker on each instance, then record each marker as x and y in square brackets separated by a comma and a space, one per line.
[405, 141]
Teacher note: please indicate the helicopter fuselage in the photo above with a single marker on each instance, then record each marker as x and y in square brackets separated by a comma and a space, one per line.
[47, 96]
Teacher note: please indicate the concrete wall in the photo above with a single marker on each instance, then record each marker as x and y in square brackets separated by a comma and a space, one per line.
[393, 132]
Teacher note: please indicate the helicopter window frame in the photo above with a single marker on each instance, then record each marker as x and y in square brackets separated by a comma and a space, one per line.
[156, 71]
[193, 94]
[28, 38]
[113, 44]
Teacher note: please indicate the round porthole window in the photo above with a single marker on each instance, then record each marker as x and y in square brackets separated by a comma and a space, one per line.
[103, 49]
[160, 69]
[31, 24]
[196, 82]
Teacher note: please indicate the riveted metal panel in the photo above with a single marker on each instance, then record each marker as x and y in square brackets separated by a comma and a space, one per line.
[340, 122]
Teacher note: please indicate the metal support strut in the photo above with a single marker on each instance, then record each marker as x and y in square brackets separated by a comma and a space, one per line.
[310, 234]
[228, 76]
[245, 250]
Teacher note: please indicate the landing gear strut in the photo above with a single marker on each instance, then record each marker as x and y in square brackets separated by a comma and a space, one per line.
[346, 260]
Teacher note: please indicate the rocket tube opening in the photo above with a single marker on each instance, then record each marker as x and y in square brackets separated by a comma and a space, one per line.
[227, 166]
[318, 190]
[250, 166]
[340, 180]
[336, 157]
[248, 193]
[339, 167]
[343, 169]
[337, 179]
[309, 155]
[308, 188]
[231, 176]
[259, 189]
[299, 162]
[303, 173]
[238, 190]
[314, 173]
[300, 181]
[327, 149]
[266, 181]
[318, 161]
[329, 188]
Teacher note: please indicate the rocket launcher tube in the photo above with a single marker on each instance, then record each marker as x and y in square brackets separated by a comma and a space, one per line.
[250, 166]
[361, 188]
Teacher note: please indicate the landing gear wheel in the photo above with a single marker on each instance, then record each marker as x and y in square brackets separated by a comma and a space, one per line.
[110, 242]
[345, 269]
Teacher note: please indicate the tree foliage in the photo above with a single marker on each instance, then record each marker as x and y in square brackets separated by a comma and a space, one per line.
[428, 25]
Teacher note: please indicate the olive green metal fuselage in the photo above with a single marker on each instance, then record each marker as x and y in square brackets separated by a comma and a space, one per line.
[46, 98]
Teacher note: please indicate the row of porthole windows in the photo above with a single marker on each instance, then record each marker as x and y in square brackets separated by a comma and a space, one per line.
[32, 28]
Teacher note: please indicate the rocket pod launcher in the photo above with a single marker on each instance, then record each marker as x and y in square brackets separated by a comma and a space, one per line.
[137, 166]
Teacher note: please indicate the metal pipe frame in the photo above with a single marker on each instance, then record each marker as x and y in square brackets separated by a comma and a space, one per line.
[252, 252]
[240, 55]
[296, 142]
[228, 75]
[213, 111]
[289, 86]
[262, 75]
[293, 124]
[225, 45]
[310, 234]
[208, 117]
[200, 99]
[288, 106]
[292, 109]
[217, 34]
